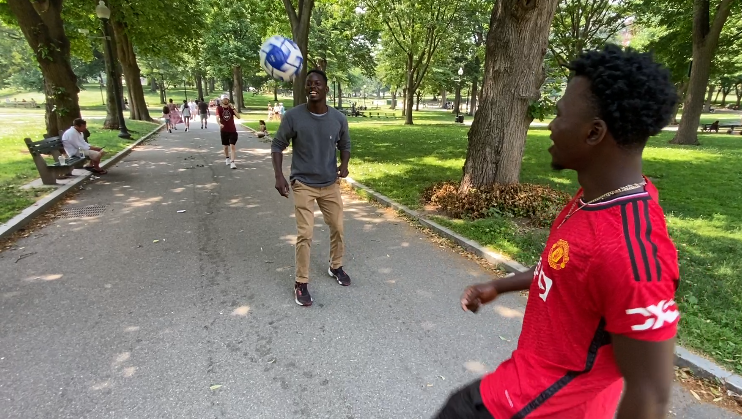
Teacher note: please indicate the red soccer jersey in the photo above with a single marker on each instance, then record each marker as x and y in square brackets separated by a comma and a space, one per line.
[226, 116]
[610, 268]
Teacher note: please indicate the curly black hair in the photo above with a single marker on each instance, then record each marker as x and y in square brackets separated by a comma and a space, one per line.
[633, 94]
[318, 71]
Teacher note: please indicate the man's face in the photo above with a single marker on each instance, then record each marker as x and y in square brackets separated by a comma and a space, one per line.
[574, 128]
[225, 102]
[81, 128]
[316, 88]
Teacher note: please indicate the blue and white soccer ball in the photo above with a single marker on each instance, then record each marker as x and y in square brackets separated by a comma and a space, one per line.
[281, 58]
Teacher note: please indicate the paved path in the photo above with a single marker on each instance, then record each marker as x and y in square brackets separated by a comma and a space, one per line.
[102, 321]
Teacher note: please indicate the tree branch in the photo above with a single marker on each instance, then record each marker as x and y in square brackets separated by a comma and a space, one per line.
[293, 18]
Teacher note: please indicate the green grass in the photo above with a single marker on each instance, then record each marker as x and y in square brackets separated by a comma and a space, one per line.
[17, 167]
[700, 190]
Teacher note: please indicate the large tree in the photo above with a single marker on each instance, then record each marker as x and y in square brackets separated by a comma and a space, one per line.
[417, 27]
[42, 26]
[706, 32]
[513, 73]
[300, 17]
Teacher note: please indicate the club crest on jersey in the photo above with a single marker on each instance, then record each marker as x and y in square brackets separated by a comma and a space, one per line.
[559, 255]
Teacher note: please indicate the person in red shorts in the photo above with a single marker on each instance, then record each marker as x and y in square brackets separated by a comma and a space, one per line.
[600, 317]
[225, 115]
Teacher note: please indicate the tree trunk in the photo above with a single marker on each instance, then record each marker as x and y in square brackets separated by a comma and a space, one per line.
[707, 103]
[705, 41]
[229, 87]
[515, 48]
[152, 84]
[724, 94]
[443, 98]
[404, 101]
[409, 91]
[200, 86]
[473, 100]
[127, 57]
[681, 97]
[275, 91]
[212, 85]
[393, 93]
[237, 83]
[737, 92]
[42, 26]
[417, 101]
[300, 20]
[112, 107]
[340, 96]
[718, 92]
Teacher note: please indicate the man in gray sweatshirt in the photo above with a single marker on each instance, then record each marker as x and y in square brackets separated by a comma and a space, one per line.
[316, 132]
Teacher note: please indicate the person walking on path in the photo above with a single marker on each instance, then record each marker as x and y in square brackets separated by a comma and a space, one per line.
[174, 115]
[166, 117]
[600, 317]
[316, 132]
[225, 115]
[185, 110]
[204, 112]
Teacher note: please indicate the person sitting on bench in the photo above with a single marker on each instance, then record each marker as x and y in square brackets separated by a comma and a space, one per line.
[74, 143]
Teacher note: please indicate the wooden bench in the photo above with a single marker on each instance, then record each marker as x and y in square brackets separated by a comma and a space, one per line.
[374, 114]
[390, 115]
[52, 146]
[716, 127]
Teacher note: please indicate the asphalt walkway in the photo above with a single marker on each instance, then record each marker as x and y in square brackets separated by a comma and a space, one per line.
[146, 311]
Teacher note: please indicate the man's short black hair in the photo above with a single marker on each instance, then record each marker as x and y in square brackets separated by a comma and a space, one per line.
[318, 71]
[78, 122]
[632, 93]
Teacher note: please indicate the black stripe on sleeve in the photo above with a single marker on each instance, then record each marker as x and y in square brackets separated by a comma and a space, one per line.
[648, 237]
[629, 247]
[601, 338]
[640, 240]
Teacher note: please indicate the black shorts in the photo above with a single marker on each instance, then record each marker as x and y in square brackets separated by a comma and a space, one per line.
[229, 138]
[465, 403]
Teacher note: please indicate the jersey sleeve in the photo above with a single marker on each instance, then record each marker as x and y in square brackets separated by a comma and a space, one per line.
[633, 278]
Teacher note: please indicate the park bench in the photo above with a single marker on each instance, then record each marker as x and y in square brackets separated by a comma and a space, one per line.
[390, 115]
[50, 172]
[374, 114]
[716, 127]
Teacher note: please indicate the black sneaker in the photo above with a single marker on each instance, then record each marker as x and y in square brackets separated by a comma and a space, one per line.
[340, 276]
[301, 294]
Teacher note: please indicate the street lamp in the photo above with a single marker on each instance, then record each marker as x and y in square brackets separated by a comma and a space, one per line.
[104, 14]
[458, 104]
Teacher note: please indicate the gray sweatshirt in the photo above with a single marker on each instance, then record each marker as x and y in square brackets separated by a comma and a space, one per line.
[315, 141]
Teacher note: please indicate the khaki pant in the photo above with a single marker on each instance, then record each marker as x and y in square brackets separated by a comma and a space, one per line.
[330, 203]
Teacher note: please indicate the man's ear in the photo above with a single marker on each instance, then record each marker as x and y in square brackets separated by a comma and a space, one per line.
[597, 133]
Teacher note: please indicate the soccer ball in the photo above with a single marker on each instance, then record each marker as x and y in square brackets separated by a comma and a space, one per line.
[281, 58]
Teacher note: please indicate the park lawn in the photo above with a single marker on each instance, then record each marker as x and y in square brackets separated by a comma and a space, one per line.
[17, 167]
[700, 190]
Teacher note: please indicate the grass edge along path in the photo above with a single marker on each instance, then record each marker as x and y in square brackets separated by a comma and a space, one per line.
[17, 167]
[700, 190]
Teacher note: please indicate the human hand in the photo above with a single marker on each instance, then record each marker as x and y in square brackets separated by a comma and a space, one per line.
[343, 171]
[282, 186]
[478, 295]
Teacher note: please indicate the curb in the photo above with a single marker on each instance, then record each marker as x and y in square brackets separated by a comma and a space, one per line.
[698, 365]
[28, 214]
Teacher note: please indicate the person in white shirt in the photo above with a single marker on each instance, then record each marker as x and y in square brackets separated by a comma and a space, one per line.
[185, 111]
[73, 141]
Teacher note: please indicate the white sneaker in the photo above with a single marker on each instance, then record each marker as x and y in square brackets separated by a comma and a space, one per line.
[228, 161]
[233, 166]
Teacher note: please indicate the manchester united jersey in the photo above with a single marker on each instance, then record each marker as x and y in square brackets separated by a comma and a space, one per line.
[609, 269]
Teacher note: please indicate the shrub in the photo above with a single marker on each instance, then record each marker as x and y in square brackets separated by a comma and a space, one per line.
[537, 203]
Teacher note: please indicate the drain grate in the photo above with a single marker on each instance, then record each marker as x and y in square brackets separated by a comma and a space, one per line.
[83, 212]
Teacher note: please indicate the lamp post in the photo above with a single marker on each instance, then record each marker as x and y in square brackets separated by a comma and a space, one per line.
[104, 14]
[364, 95]
[458, 105]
